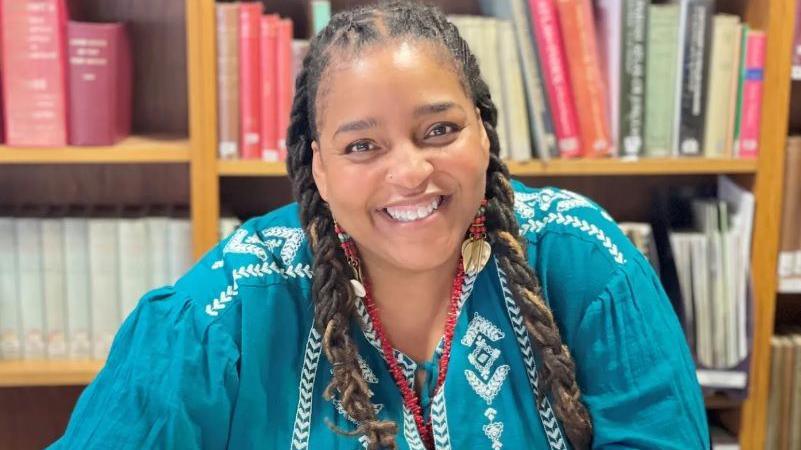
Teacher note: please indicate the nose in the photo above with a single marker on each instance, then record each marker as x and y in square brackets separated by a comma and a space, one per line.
[409, 167]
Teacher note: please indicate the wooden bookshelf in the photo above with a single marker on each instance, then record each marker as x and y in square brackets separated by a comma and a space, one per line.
[557, 167]
[48, 373]
[132, 150]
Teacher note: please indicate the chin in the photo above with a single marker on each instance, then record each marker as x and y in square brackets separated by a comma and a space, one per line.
[422, 258]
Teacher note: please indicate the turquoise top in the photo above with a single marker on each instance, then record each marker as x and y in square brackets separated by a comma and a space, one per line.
[228, 357]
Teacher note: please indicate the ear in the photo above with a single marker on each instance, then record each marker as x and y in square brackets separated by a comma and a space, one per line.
[318, 171]
[485, 143]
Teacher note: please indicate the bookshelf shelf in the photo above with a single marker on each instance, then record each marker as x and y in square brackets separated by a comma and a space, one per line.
[589, 167]
[48, 373]
[132, 150]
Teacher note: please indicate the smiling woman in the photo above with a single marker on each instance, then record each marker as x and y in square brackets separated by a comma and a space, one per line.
[413, 297]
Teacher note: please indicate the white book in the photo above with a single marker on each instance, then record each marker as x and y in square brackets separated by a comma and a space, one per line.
[514, 93]
[609, 32]
[133, 267]
[77, 291]
[157, 250]
[104, 284]
[29, 287]
[10, 332]
[180, 247]
[701, 300]
[680, 245]
[53, 277]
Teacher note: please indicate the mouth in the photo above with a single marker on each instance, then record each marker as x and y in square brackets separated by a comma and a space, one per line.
[414, 212]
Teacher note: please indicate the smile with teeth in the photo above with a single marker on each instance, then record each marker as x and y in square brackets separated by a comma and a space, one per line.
[411, 213]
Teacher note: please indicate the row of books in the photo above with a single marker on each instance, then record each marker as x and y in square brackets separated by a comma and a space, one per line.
[257, 61]
[630, 78]
[796, 70]
[63, 82]
[790, 251]
[66, 283]
[784, 399]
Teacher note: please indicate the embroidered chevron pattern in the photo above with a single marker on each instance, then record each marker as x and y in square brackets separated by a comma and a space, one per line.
[300, 433]
[293, 237]
[549, 422]
[410, 432]
[218, 303]
[579, 224]
[439, 421]
[217, 265]
[367, 372]
[238, 244]
[480, 325]
[490, 389]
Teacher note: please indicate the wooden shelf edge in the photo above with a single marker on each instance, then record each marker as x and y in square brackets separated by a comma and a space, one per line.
[717, 401]
[584, 167]
[131, 150]
[48, 373]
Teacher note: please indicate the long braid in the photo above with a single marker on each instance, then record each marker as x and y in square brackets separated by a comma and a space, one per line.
[334, 300]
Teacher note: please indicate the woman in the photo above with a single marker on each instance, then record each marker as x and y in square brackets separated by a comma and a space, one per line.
[413, 298]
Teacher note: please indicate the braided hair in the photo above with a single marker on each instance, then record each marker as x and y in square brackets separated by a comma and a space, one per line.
[334, 301]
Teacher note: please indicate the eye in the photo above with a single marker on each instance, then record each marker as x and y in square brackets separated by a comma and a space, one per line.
[441, 129]
[360, 147]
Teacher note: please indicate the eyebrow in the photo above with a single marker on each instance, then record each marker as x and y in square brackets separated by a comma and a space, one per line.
[433, 108]
[357, 125]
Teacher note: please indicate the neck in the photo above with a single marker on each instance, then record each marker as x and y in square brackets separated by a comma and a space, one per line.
[412, 305]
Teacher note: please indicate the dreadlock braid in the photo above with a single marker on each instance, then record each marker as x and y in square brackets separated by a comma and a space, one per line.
[333, 297]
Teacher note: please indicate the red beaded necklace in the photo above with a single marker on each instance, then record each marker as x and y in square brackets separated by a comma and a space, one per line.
[410, 397]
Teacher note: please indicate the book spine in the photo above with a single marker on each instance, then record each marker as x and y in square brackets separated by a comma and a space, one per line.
[10, 333]
[796, 71]
[632, 83]
[157, 250]
[228, 80]
[725, 28]
[180, 247]
[34, 78]
[578, 30]
[791, 210]
[663, 22]
[53, 281]
[250, 80]
[695, 33]
[552, 57]
[76, 263]
[269, 99]
[100, 90]
[608, 17]
[104, 284]
[285, 89]
[740, 84]
[133, 272]
[748, 143]
[321, 14]
[29, 287]
[734, 85]
[520, 137]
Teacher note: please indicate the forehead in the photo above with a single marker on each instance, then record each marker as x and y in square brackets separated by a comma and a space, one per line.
[387, 69]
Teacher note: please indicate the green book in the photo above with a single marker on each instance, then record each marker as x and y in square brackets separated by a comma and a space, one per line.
[321, 14]
[741, 71]
[660, 88]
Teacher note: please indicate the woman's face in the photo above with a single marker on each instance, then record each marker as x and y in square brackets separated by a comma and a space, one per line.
[401, 154]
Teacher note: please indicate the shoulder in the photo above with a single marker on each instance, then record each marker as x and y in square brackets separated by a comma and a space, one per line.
[267, 250]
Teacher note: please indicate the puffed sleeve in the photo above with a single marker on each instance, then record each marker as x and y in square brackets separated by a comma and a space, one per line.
[169, 382]
[634, 368]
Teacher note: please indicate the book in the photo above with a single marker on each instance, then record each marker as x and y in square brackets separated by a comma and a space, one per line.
[100, 83]
[285, 89]
[548, 36]
[320, 15]
[133, 270]
[10, 301]
[104, 286]
[227, 80]
[269, 87]
[53, 270]
[796, 70]
[158, 248]
[179, 246]
[250, 80]
[609, 17]
[795, 395]
[723, 66]
[632, 78]
[695, 32]
[586, 77]
[517, 119]
[29, 287]
[790, 243]
[747, 142]
[76, 284]
[34, 72]
[660, 79]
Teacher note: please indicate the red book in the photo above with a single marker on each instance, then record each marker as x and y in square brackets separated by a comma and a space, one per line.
[285, 87]
[548, 37]
[250, 79]
[100, 83]
[586, 79]
[34, 79]
[753, 79]
[269, 88]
